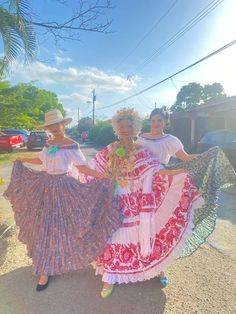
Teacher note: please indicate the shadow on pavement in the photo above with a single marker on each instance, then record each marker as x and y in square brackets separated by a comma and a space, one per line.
[227, 206]
[76, 293]
[3, 242]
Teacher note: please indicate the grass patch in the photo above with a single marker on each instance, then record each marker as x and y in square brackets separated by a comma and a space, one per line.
[22, 153]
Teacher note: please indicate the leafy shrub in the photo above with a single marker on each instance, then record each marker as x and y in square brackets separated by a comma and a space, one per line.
[102, 133]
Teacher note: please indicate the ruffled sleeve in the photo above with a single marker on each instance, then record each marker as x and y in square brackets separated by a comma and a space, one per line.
[42, 154]
[100, 161]
[175, 146]
[77, 157]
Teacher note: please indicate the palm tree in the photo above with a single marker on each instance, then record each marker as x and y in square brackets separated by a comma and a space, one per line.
[17, 33]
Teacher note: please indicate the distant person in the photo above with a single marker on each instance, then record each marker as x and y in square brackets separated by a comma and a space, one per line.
[84, 136]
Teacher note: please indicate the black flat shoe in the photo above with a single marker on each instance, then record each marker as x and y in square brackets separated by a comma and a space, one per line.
[42, 287]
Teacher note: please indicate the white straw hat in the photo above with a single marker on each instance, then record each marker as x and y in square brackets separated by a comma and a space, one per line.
[55, 116]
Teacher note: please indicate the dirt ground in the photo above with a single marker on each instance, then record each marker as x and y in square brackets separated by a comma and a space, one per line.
[204, 283]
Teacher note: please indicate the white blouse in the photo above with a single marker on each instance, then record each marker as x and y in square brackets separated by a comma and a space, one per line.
[162, 148]
[62, 161]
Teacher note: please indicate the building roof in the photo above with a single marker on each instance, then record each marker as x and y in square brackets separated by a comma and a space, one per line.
[228, 101]
[226, 104]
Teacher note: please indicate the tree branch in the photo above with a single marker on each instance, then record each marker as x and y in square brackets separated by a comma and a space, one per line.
[84, 19]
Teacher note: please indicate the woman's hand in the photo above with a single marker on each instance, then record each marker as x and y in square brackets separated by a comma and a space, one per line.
[105, 176]
[35, 161]
[181, 170]
[172, 172]
[93, 173]
[194, 156]
[182, 155]
[20, 159]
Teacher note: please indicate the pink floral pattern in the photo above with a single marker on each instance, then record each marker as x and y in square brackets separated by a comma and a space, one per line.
[126, 258]
[121, 258]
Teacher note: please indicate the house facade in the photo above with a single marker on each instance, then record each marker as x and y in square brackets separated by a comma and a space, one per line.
[189, 126]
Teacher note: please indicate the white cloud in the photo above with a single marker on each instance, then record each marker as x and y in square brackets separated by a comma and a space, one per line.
[72, 77]
[73, 98]
[62, 60]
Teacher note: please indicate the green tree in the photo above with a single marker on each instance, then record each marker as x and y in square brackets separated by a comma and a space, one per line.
[24, 105]
[192, 95]
[17, 32]
[85, 124]
[4, 85]
[102, 133]
[213, 92]
[145, 126]
[18, 26]
[188, 97]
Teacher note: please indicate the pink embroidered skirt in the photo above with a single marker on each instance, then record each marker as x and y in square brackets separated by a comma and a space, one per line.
[65, 224]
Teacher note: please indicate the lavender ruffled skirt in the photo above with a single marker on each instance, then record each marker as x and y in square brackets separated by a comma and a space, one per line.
[65, 224]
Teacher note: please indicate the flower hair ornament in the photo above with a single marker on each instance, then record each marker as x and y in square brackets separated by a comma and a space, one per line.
[127, 114]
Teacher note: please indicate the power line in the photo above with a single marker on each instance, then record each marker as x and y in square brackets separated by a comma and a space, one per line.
[147, 34]
[173, 83]
[144, 102]
[169, 77]
[187, 27]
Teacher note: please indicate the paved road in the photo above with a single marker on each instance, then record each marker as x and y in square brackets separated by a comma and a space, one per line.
[204, 283]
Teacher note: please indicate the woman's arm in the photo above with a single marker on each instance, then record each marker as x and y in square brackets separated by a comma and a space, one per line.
[172, 172]
[93, 173]
[182, 155]
[35, 161]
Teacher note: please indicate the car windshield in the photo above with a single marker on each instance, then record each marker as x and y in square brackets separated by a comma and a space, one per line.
[231, 137]
[214, 138]
[38, 134]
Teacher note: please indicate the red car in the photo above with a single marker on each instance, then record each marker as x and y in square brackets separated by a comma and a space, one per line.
[8, 141]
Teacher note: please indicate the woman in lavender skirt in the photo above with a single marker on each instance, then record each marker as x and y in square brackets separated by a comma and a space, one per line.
[64, 223]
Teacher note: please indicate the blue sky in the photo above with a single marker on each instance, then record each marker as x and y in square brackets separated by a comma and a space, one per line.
[74, 68]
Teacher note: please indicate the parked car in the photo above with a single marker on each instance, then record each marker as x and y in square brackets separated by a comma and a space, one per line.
[22, 132]
[37, 139]
[225, 139]
[8, 141]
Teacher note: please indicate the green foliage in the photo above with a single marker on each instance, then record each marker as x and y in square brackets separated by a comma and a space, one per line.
[213, 92]
[192, 95]
[17, 32]
[145, 126]
[188, 97]
[102, 133]
[4, 85]
[72, 131]
[85, 124]
[24, 105]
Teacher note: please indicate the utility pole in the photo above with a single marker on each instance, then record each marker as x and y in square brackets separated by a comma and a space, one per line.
[155, 105]
[94, 100]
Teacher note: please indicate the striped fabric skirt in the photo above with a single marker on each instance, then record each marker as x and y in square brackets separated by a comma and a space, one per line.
[65, 224]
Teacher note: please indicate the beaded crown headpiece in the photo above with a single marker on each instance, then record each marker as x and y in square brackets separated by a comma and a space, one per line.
[129, 113]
